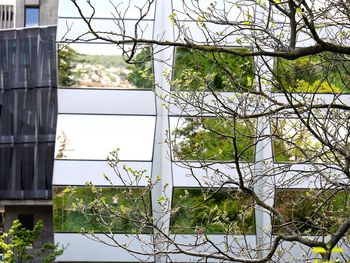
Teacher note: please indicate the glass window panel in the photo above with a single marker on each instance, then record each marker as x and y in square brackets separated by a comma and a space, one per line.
[198, 70]
[324, 73]
[190, 10]
[107, 209]
[76, 30]
[294, 142]
[102, 66]
[310, 211]
[105, 8]
[32, 16]
[212, 139]
[94, 136]
[201, 210]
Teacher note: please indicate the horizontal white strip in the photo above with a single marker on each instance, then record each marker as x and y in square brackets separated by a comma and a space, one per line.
[103, 8]
[80, 248]
[307, 176]
[68, 172]
[72, 29]
[96, 251]
[206, 104]
[211, 175]
[235, 244]
[94, 101]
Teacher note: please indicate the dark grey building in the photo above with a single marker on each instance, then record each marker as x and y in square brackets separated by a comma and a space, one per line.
[28, 109]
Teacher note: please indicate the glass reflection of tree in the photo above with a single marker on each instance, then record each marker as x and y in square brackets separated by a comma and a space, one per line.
[325, 73]
[141, 70]
[211, 211]
[66, 64]
[312, 211]
[293, 142]
[212, 139]
[63, 145]
[115, 201]
[196, 70]
[107, 71]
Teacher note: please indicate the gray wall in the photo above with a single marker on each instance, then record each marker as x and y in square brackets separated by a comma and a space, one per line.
[43, 213]
[48, 11]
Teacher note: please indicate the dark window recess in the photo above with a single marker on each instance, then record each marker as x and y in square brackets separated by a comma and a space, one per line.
[7, 15]
[32, 14]
[1, 222]
[27, 221]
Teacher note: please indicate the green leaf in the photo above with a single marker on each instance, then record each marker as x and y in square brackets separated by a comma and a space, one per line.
[337, 250]
[319, 250]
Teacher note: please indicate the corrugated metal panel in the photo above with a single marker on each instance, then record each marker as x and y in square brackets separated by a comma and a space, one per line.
[28, 109]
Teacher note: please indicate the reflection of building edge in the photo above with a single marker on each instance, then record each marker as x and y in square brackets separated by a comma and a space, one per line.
[28, 97]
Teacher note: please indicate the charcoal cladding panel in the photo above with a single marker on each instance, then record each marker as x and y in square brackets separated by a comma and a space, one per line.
[28, 112]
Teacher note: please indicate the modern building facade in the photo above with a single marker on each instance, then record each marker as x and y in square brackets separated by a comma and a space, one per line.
[28, 112]
[103, 106]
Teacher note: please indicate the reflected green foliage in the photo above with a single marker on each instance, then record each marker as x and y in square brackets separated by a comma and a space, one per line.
[325, 73]
[141, 71]
[312, 211]
[108, 71]
[197, 210]
[21, 245]
[212, 139]
[197, 70]
[100, 209]
[106, 60]
[293, 142]
[67, 58]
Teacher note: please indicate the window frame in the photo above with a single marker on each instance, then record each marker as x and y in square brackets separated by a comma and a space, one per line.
[31, 7]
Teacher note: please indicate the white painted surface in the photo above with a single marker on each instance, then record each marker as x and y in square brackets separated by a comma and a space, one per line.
[69, 172]
[81, 248]
[84, 101]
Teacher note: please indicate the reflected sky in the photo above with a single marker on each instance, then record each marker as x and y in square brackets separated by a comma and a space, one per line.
[93, 137]
[104, 8]
[32, 16]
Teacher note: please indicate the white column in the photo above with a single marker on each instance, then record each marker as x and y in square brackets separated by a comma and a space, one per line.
[161, 166]
[263, 171]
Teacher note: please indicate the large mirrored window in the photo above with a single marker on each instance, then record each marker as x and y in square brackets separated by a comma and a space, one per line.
[107, 9]
[198, 70]
[93, 65]
[295, 140]
[105, 209]
[191, 11]
[324, 73]
[310, 211]
[292, 141]
[211, 211]
[212, 139]
[94, 136]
